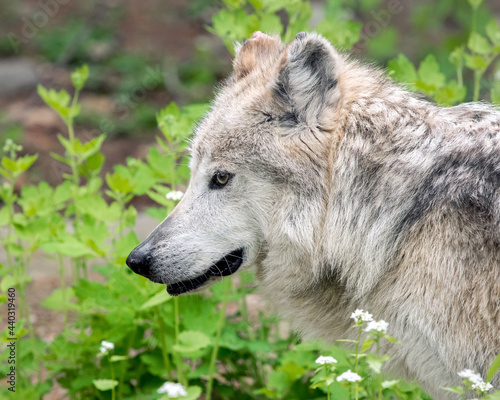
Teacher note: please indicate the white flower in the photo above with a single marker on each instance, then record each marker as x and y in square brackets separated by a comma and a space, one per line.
[325, 360]
[106, 346]
[378, 326]
[173, 389]
[361, 316]
[482, 386]
[471, 376]
[349, 376]
[175, 195]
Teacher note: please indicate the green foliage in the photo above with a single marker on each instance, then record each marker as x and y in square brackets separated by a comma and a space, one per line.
[240, 19]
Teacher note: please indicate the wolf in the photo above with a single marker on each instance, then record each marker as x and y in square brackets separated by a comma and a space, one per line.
[344, 190]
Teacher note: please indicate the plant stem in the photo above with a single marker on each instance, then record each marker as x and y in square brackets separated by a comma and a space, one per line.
[113, 393]
[164, 353]
[63, 290]
[460, 78]
[328, 387]
[220, 325]
[379, 374]
[356, 361]
[473, 23]
[477, 83]
[244, 309]
[178, 359]
[122, 376]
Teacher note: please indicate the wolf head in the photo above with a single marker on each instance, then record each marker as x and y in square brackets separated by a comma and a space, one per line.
[259, 167]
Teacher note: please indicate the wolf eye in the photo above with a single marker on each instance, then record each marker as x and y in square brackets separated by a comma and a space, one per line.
[220, 179]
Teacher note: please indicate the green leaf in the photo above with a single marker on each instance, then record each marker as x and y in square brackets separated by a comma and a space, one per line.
[190, 341]
[293, 370]
[58, 101]
[124, 246]
[70, 247]
[4, 215]
[280, 381]
[402, 69]
[342, 34]
[366, 345]
[7, 282]
[495, 366]
[158, 213]
[479, 44]
[118, 358]
[23, 163]
[59, 299]
[157, 299]
[450, 94]
[93, 234]
[105, 384]
[455, 389]
[375, 363]
[120, 183]
[158, 198]
[475, 62]
[475, 3]
[429, 73]
[61, 159]
[493, 31]
[233, 26]
[161, 164]
[80, 76]
[193, 393]
[495, 94]
[457, 56]
[9, 164]
[144, 178]
[389, 384]
[62, 193]
[95, 162]
[270, 23]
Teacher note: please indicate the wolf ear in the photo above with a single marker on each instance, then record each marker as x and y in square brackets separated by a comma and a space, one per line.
[307, 81]
[258, 52]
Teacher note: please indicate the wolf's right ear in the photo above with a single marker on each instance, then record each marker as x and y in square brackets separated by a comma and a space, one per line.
[257, 53]
[307, 80]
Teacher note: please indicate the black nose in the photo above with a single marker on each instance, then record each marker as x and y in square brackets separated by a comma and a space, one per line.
[139, 260]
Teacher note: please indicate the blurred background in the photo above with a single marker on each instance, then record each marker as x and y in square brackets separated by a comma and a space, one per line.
[144, 54]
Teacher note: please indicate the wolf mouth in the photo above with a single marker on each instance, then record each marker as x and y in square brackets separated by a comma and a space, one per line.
[227, 265]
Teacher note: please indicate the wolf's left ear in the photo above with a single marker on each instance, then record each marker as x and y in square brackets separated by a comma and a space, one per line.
[307, 80]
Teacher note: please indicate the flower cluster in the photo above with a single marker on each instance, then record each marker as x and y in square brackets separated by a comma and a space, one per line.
[322, 360]
[377, 326]
[106, 347]
[349, 376]
[172, 389]
[175, 195]
[475, 380]
[360, 316]
[11, 147]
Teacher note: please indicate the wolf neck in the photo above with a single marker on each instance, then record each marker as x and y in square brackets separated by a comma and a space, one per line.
[352, 245]
[363, 228]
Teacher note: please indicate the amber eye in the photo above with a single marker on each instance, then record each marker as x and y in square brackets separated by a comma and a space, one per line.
[220, 179]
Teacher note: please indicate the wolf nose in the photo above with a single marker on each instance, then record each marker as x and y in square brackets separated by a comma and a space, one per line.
[139, 260]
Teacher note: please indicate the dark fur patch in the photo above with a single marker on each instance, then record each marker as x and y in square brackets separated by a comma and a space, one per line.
[313, 59]
[288, 119]
[478, 116]
[468, 183]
